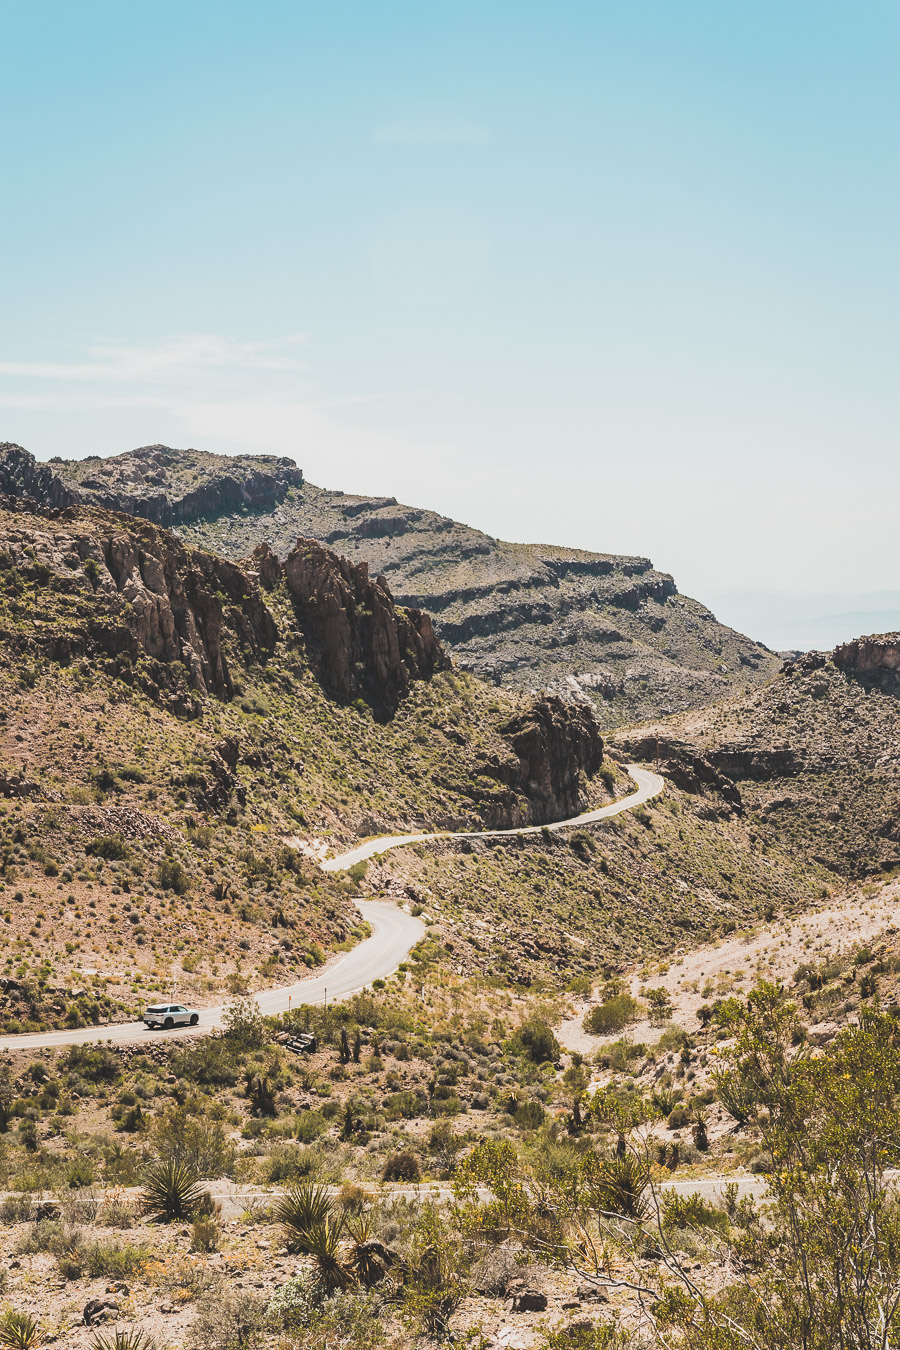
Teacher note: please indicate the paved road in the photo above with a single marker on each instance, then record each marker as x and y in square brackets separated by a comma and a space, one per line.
[394, 934]
[649, 785]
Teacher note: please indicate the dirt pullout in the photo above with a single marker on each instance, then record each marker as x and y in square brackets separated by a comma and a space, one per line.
[770, 951]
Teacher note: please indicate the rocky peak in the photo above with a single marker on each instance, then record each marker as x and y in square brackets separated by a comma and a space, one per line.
[362, 644]
[555, 748]
[154, 482]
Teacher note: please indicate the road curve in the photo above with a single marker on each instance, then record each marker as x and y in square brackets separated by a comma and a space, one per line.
[394, 934]
[650, 785]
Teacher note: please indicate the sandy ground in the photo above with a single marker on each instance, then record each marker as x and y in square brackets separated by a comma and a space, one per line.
[769, 950]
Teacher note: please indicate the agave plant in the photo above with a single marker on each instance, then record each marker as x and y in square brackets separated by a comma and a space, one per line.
[124, 1340]
[19, 1331]
[171, 1191]
[301, 1209]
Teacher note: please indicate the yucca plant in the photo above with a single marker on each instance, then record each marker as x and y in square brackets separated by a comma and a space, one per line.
[620, 1187]
[369, 1258]
[171, 1191]
[323, 1243]
[19, 1331]
[124, 1340]
[301, 1209]
[664, 1100]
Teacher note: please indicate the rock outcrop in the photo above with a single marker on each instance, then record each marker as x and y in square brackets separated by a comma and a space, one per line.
[361, 643]
[682, 765]
[555, 747]
[168, 487]
[870, 658]
[162, 612]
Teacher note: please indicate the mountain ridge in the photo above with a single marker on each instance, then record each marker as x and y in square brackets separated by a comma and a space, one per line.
[607, 628]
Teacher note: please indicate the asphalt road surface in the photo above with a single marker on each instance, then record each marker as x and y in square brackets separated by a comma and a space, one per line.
[649, 785]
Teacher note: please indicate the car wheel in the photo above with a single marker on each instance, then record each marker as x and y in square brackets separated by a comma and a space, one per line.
[168, 1024]
[194, 1019]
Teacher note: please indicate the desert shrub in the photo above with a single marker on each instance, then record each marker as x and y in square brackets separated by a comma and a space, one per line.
[294, 1305]
[308, 1125]
[494, 1272]
[16, 1209]
[615, 1014]
[202, 1145]
[244, 1024]
[209, 1061]
[204, 1235]
[228, 1321]
[93, 1063]
[104, 1260]
[48, 1235]
[402, 1166]
[109, 846]
[171, 876]
[288, 1162]
[692, 1211]
[535, 1040]
[529, 1115]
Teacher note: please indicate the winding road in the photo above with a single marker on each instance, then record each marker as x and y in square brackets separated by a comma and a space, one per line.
[394, 934]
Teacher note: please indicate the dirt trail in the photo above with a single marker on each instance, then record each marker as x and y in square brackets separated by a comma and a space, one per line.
[769, 950]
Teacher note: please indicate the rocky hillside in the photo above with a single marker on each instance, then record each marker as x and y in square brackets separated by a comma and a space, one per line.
[522, 615]
[812, 759]
[181, 737]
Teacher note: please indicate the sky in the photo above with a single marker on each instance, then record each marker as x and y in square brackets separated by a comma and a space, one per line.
[617, 275]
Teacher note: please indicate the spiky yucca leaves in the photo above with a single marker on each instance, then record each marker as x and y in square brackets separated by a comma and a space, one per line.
[301, 1209]
[619, 1187]
[19, 1331]
[124, 1340]
[323, 1243]
[171, 1191]
[369, 1259]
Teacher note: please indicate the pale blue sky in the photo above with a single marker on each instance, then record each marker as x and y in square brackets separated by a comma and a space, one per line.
[624, 275]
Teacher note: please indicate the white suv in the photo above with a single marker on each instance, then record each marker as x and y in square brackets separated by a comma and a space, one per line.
[170, 1015]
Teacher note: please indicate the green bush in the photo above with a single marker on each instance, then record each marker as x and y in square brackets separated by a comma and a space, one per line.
[615, 1014]
[171, 1191]
[535, 1040]
[171, 876]
[109, 846]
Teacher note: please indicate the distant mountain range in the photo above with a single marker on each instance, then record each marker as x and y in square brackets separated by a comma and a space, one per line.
[801, 621]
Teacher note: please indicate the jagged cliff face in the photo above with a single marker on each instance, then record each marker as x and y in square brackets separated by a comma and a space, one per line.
[555, 749]
[607, 628]
[875, 657]
[360, 642]
[107, 593]
[158, 610]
